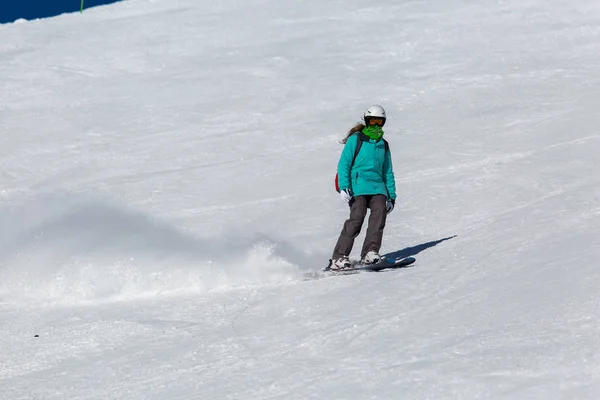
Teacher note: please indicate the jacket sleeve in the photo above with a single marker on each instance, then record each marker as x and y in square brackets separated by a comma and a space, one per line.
[345, 163]
[388, 175]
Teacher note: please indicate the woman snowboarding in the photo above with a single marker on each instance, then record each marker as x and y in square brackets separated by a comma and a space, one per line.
[365, 180]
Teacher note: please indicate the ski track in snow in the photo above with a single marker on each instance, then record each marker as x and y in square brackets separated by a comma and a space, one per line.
[498, 159]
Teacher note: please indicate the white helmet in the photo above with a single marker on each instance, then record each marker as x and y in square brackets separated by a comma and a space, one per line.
[374, 111]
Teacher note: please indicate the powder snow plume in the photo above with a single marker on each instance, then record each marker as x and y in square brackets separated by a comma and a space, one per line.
[54, 249]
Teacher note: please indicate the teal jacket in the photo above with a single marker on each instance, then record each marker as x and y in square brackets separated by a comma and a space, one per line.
[372, 172]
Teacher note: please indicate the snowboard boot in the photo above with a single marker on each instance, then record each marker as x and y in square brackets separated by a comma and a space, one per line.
[340, 264]
[372, 257]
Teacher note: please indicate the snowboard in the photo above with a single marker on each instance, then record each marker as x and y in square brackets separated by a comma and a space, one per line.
[385, 263]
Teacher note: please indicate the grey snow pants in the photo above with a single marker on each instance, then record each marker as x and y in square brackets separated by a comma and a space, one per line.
[352, 227]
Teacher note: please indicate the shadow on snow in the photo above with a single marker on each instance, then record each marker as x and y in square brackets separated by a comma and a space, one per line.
[414, 250]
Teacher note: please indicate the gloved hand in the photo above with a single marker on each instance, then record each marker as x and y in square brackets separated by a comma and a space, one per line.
[346, 195]
[389, 205]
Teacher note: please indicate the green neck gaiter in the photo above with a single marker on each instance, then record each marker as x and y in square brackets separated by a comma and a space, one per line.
[374, 132]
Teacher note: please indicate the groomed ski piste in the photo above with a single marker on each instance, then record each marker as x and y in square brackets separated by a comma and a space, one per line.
[167, 201]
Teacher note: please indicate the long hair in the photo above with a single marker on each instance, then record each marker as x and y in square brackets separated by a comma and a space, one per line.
[356, 128]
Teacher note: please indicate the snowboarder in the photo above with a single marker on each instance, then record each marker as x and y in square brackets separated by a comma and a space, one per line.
[365, 180]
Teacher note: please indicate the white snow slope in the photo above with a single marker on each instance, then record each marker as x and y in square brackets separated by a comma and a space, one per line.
[166, 201]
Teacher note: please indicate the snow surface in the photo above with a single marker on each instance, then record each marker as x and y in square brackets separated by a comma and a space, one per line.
[166, 201]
